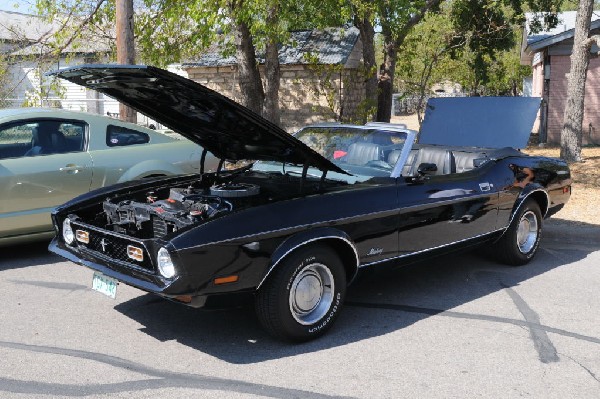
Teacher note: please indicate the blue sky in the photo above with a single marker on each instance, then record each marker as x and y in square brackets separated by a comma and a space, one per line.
[24, 6]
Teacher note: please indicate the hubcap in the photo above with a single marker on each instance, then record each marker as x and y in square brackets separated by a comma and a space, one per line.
[311, 293]
[527, 232]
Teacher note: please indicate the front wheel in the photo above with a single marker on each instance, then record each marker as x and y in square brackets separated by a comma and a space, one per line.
[520, 242]
[304, 296]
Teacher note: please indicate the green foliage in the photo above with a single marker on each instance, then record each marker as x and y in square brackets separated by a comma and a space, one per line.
[171, 31]
[506, 74]
[482, 28]
[168, 31]
[476, 48]
[424, 58]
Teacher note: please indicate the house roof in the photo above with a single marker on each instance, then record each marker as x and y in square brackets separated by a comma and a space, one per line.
[331, 46]
[564, 30]
[18, 27]
[30, 35]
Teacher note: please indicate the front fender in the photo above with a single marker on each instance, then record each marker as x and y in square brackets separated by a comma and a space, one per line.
[150, 167]
[338, 239]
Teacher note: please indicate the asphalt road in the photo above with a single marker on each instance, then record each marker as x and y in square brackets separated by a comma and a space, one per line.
[460, 327]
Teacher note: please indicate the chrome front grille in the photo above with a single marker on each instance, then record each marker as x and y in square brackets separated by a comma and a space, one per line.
[113, 247]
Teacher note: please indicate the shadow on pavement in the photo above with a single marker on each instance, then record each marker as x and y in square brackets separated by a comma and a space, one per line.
[379, 302]
[24, 255]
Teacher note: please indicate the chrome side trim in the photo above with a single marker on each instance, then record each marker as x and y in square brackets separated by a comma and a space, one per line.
[428, 249]
[305, 243]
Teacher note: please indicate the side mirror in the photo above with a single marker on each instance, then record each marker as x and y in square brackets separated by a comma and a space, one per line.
[426, 169]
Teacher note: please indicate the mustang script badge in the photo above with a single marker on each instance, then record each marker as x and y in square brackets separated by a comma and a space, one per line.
[375, 251]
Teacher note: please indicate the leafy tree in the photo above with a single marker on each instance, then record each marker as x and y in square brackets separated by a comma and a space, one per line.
[506, 74]
[436, 51]
[482, 28]
[425, 55]
[481, 25]
[397, 18]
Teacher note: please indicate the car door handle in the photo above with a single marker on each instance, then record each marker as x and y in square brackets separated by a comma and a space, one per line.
[71, 168]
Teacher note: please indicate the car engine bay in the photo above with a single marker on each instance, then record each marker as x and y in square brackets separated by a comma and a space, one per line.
[158, 212]
[183, 206]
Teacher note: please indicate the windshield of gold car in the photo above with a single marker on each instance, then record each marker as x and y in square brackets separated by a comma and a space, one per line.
[364, 152]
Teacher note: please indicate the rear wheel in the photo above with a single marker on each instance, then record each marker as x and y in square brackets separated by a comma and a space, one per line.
[304, 295]
[520, 242]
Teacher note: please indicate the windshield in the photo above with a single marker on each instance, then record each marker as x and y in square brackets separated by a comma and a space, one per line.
[364, 152]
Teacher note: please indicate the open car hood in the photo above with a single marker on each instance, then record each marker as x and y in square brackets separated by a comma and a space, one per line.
[490, 122]
[222, 126]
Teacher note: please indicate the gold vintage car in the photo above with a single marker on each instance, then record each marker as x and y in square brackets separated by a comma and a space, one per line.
[48, 156]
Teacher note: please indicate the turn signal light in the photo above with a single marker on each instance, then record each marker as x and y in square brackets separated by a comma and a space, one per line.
[183, 298]
[226, 280]
[135, 253]
[82, 236]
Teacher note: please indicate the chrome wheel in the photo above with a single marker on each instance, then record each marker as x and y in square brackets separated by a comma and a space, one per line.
[311, 293]
[527, 232]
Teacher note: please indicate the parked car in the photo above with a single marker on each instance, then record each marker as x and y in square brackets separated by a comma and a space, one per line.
[48, 156]
[293, 229]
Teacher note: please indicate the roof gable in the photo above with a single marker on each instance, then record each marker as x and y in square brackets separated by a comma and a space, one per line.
[565, 30]
[566, 24]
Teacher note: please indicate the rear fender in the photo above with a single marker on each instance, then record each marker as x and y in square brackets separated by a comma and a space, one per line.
[338, 240]
[535, 192]
[538, 193]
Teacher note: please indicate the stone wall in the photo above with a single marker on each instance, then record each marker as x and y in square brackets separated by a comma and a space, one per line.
[306, 96]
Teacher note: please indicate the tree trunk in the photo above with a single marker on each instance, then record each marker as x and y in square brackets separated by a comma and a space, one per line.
[125, 47]
[572, 133]
[272, 73]
[251, 90]
[367, 36]
[385, 85]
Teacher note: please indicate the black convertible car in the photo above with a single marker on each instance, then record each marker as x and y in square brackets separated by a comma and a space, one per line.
[292, 227]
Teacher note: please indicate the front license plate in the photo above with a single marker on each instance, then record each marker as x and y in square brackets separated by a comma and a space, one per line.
[104, 284]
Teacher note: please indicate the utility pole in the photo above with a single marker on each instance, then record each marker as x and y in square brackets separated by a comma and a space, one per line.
[125, 47]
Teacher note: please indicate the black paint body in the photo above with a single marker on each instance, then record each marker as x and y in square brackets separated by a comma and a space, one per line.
[380, 220]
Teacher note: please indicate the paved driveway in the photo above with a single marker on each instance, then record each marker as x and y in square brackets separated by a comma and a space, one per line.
[460, 326]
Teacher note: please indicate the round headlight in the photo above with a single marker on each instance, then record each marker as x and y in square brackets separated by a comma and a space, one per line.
[67, 231]
[165, 264]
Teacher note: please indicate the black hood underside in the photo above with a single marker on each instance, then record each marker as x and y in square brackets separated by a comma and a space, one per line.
[227, 129]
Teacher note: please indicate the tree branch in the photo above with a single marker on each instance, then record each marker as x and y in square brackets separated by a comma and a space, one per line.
[415, 19]
[80, 26]
[587, 43]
